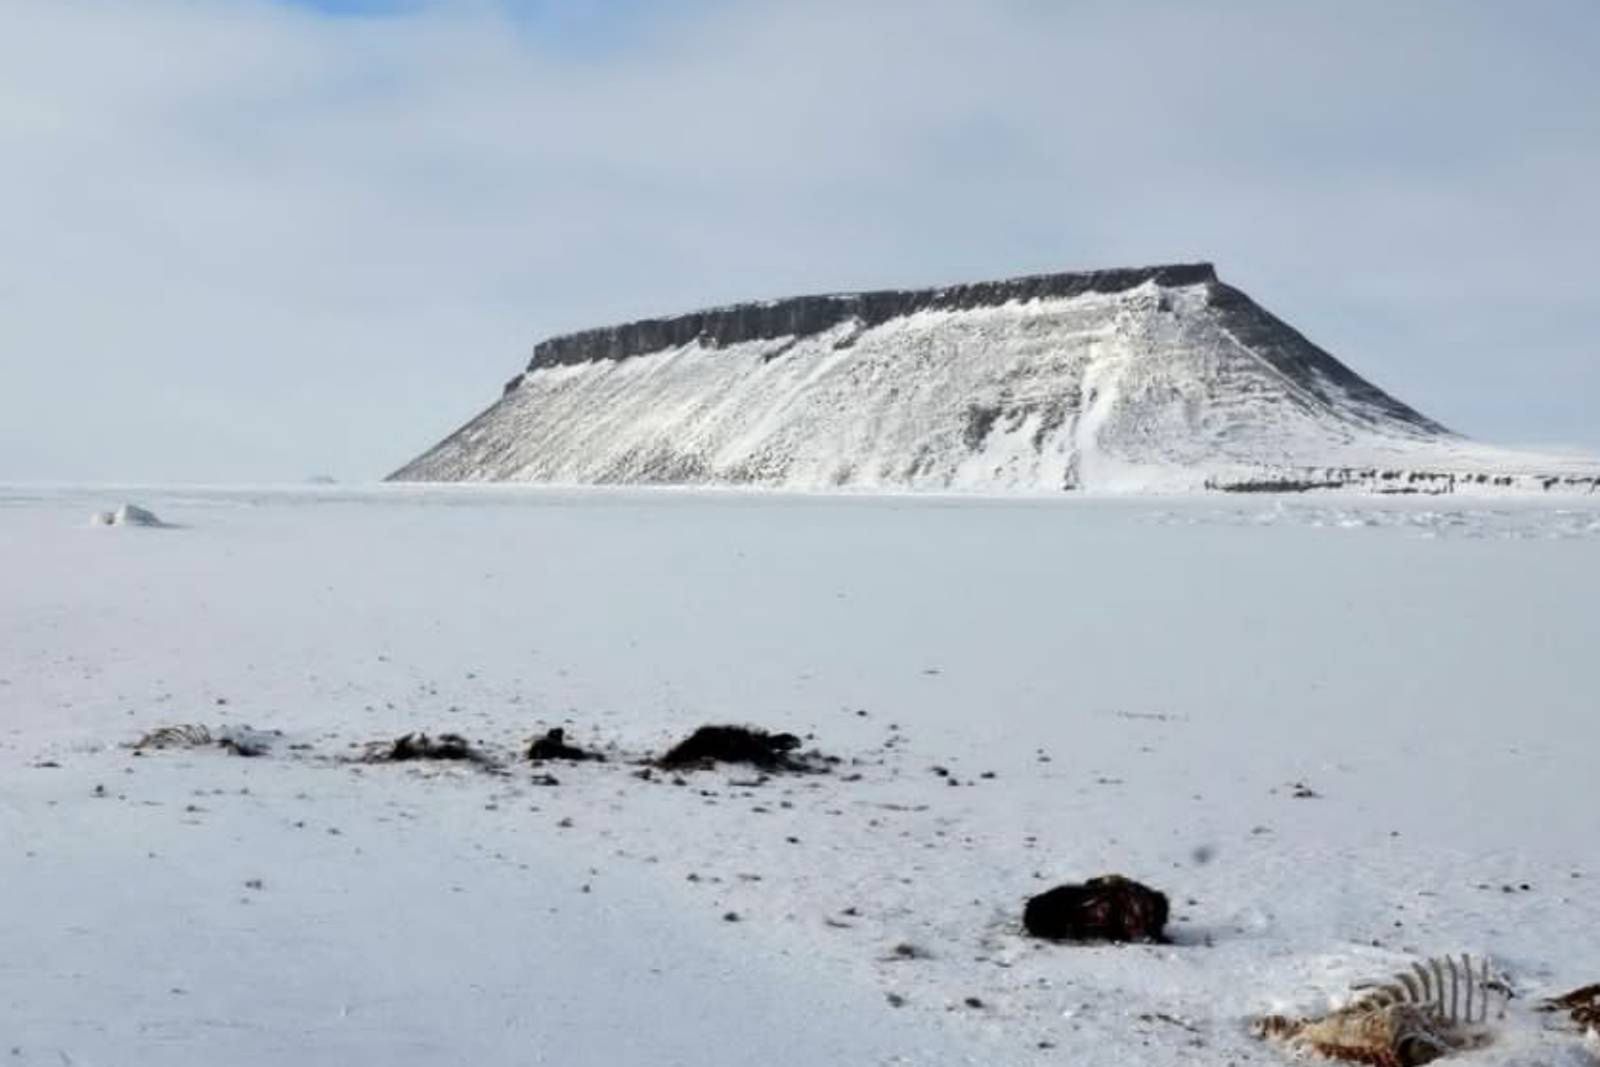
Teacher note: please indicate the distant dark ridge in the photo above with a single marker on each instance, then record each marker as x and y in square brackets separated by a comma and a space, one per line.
[803, 316]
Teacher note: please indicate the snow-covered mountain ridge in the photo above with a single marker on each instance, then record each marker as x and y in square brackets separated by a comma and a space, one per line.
[1148, 378]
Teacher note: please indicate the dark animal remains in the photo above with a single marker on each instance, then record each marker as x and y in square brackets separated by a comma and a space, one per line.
[711, 745]
[553, 745]
[419, 746]
[1582, 1006]
[239, 740]
[1108, 908]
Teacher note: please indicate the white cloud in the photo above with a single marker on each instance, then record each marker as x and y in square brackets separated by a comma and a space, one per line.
[249, 241]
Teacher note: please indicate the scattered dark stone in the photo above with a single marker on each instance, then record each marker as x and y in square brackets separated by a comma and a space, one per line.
[553, 745]
[1108, 908]
[710, 745]
[419, 746]
[544, 779]
[1301, 791]
[895, 1000]
[730, 916]
[973, 1002]
[1171, 1020]
[905, 950]
[254, 883]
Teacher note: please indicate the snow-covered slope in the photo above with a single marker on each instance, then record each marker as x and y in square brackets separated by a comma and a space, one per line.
[1159, 377]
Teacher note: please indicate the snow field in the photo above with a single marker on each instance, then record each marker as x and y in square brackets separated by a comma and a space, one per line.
[1149, 683]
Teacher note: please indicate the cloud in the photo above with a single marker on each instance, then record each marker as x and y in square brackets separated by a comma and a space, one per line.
[260, 240]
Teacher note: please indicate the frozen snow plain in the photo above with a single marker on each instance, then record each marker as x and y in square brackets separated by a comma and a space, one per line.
[1147, 680]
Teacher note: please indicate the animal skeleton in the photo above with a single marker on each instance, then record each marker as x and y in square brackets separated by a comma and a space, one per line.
[239, 740]
[187, 735]
[1425, 987]
[1438, 1007]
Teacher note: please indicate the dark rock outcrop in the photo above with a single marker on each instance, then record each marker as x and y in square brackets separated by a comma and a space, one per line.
[1108, 908]
[803, 316]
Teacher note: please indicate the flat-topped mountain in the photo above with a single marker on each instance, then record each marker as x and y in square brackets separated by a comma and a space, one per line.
[1147, 378]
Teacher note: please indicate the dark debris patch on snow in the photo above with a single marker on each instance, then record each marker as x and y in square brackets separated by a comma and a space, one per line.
[711, 745]
[419, 746]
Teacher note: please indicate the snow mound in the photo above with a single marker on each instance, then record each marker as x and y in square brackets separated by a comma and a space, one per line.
[127, 515]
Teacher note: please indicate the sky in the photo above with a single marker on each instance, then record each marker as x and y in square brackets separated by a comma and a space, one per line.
[262, 240]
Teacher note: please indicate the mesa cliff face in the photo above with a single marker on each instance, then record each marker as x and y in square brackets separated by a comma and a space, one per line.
[1158, 377]
[804, 316]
